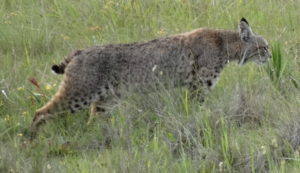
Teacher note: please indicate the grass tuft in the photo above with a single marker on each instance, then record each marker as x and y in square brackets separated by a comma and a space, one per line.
[276, 67]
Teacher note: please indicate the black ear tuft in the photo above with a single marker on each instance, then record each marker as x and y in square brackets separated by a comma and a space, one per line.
[244, 20]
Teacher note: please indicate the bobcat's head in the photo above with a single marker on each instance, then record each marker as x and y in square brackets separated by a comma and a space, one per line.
[254, 47]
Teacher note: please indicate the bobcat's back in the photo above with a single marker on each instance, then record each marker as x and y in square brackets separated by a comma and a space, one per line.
[134, 64]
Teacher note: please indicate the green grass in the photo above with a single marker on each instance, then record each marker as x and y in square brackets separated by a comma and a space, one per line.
[249, 122]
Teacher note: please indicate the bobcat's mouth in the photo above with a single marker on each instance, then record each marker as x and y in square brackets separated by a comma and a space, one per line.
[260, 60]
[252, 58]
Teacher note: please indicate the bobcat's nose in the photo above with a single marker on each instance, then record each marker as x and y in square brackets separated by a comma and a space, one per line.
[270, 56]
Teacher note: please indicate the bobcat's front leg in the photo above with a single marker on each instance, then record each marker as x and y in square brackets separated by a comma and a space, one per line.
[198, 91]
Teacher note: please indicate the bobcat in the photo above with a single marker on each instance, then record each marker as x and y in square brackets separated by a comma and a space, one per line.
[194, 59]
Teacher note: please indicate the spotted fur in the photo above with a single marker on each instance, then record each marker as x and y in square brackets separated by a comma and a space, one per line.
[195, 60]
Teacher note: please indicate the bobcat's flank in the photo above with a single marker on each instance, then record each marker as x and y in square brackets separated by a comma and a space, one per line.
[195, 59]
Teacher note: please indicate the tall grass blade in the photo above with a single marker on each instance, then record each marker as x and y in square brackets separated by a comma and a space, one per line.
[295, 83]
[276, 68]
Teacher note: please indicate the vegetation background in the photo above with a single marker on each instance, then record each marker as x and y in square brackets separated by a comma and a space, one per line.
[249, 123]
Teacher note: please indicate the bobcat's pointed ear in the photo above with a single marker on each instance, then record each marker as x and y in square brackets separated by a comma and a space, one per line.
[245, 30]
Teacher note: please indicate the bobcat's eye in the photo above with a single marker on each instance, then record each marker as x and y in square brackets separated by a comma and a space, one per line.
[265, 49]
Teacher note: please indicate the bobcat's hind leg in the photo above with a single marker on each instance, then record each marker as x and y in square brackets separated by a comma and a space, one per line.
[96, 109]
[42, 115]
[64, 100]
